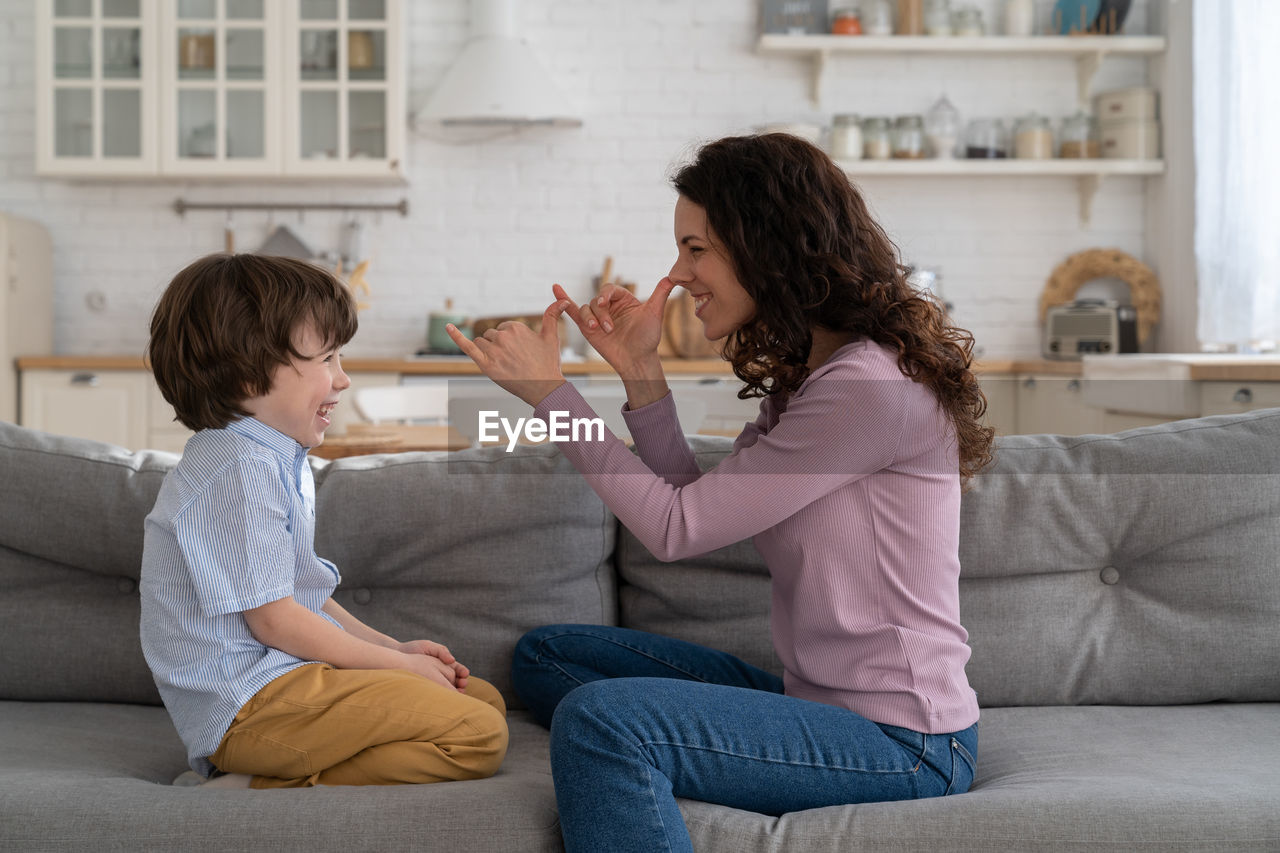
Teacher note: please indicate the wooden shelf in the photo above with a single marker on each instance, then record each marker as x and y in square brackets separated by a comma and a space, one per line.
[1088, 51]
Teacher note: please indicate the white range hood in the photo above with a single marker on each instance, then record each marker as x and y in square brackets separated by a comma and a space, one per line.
[497, 81]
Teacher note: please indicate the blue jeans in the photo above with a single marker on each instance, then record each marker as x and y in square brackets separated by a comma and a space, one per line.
[637, 720]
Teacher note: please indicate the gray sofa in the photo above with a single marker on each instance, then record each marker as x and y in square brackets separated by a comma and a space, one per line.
[1122, 594]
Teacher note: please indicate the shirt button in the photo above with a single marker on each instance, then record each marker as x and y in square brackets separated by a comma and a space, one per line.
[1110, 575]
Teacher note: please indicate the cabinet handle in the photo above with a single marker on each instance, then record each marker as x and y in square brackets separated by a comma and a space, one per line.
[1029, 383]
[1073, 385]
[1243, 395]
[88, 380]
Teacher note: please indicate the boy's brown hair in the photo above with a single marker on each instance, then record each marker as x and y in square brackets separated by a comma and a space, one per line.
[227, 321]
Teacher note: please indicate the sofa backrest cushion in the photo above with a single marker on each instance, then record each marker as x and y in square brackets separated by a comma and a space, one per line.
[470, 549]
[71, 516]
[1140, 568]
[1136, 568]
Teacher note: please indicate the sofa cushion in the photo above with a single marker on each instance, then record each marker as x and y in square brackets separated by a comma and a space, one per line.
[719, 599]
[70, 554]
[1136, 568]
[81, 776]
[1060, 779]
[470, 549]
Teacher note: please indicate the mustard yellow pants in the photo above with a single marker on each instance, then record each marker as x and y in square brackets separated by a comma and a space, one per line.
[317, 725]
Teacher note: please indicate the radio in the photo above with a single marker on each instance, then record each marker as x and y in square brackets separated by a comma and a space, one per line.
[1088, 327]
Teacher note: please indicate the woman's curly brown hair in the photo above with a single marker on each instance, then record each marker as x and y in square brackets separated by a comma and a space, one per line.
[808, 252]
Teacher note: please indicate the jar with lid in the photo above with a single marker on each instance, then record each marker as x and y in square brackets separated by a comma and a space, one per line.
[875, 139]
[967, 21]
[846, 21]
[937, 18]
[846, 137]
[1032, 138]
[942, 127]
[908, 138]
[1019, 17]
[1080, 137]
[985, 139]
[877, 18]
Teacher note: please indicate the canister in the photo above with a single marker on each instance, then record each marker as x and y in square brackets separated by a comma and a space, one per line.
[1137, 102]
[1132, 139]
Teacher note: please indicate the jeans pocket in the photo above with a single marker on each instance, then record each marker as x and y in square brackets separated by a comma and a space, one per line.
[963, 768]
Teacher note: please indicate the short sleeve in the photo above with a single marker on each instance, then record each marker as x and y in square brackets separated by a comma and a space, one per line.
[234, 536]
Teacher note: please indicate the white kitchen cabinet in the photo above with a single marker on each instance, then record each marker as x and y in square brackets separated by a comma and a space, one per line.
[1002, 406]
[1225, 398]
[26, 301]
[221, 88]
[1053, 404]
[104, 405]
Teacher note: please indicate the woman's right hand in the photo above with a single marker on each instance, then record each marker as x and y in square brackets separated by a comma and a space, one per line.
[625, 331]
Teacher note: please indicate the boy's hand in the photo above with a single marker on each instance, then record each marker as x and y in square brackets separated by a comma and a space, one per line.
[441, 659]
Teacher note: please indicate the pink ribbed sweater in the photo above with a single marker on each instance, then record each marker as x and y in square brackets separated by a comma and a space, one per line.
[851, 491]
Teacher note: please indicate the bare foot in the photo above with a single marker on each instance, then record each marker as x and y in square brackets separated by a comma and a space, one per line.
[230, 780]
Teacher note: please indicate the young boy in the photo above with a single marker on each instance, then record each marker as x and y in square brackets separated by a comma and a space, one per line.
[269, 681]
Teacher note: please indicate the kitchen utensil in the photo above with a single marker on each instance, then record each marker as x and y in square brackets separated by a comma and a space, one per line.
[1111, 15]
[1090, 327]
[682, 328]
[438, 340]
[1075, 16]
[286, 243]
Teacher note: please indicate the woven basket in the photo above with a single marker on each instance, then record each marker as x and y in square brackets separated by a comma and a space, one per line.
[1091, 264]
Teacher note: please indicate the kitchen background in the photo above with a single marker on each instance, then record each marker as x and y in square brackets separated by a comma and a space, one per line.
[493, 223]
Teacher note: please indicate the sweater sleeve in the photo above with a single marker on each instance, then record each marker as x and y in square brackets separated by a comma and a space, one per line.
[832, 433]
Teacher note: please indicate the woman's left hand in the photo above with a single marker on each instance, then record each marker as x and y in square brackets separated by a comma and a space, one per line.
[518, 359]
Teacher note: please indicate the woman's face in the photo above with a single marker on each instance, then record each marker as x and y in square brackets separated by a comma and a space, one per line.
[702, 267]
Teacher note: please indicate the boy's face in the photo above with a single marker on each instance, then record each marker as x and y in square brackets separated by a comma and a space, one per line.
[303, 393]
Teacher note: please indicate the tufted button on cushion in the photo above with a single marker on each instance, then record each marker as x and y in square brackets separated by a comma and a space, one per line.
[1110, 575]
[126, 586]
[362, 596]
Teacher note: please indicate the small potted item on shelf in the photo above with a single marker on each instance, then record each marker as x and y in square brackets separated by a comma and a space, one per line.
[846, 137]
[1019, 17]
[967, 21]
[937, 18]
[1033, 138]
[942, 127]
[877, 18]
[846, 21]
[908, 138]
[985, 139]
[875, 138]
[1079, 138]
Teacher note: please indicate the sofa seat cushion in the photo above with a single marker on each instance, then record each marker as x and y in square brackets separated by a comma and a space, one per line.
[79, 776]
[1194, 777]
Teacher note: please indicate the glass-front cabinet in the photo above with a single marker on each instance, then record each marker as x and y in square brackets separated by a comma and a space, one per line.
[96, 79]
[223, 88]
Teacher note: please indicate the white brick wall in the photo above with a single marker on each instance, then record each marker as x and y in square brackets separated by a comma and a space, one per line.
[494, 224]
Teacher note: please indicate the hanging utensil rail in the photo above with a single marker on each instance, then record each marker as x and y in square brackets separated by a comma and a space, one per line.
[181, 206]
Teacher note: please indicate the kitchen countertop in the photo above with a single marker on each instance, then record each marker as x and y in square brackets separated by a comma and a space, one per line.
[1194, 366]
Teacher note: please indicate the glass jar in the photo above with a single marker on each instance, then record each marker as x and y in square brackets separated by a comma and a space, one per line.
[1079, 137]
[908, 138]
[942, 127]
[1019, 17]
[1032, 138]
[877, 18]
[875, 139]
[846, 137]
[846, 22]
[985, 139]
[967, 21]
[937, 18]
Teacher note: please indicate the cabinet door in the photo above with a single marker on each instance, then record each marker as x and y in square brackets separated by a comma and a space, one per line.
[1002, 407]
[1053, 404]
[344, 87]
[104, 405]
[1224, 398]
[221, 72]
[96, 79]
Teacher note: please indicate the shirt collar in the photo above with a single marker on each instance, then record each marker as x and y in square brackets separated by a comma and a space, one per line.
[288, 449]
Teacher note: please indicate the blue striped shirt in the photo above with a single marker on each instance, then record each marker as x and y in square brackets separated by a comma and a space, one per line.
[233, 528]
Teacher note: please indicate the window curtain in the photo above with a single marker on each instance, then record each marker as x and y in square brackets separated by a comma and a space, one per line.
[1237, 152]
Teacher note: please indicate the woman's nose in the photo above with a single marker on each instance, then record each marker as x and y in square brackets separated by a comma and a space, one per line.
[679, 272]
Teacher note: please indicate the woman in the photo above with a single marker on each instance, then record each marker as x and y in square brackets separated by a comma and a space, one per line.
[849, 481]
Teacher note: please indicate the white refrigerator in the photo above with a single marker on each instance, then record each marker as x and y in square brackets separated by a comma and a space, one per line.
[26, 302]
